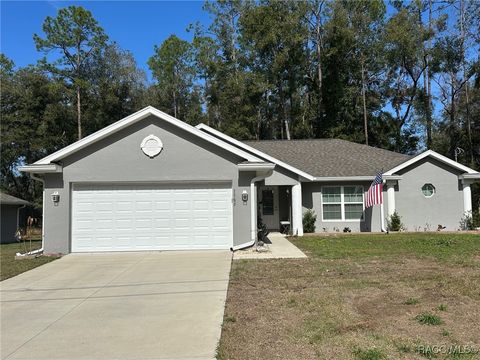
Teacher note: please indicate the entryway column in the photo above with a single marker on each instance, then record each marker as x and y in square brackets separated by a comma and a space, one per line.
[297, 221]
[467, 197]
[390, 198]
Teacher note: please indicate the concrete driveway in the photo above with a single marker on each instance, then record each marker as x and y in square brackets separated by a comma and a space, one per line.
[151, 305]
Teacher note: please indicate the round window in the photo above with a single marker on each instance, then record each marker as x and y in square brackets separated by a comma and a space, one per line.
[428, 190]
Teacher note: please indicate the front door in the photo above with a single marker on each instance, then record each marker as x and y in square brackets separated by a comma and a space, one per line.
[268, 201]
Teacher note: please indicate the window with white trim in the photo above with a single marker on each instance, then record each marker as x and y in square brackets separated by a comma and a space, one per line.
[342, 203]
[428, 190]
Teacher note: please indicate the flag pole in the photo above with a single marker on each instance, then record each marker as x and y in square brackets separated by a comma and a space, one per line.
[382, 220]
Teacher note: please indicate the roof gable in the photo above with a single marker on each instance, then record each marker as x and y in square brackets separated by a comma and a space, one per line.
[131, 119]
[435, 155]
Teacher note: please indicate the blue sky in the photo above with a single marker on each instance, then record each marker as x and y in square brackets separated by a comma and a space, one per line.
[135, 25]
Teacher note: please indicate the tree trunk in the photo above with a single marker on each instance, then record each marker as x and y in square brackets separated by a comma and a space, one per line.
[174, 104]
[318, 36]
[79, 113]
[365, 121]
[427, 83]
[464, 66]
[79, 103]
[287, 130]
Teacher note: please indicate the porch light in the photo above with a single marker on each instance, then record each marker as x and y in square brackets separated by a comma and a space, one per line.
[55, 198]
[244, 196]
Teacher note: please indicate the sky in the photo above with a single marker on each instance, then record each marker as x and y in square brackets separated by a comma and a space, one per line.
[135, 25]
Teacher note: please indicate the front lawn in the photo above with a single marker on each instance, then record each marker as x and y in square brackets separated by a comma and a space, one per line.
[10, 267]
[396, 296]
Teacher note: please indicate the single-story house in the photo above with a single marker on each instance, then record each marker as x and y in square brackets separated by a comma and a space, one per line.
[153, 182]
[10, 216]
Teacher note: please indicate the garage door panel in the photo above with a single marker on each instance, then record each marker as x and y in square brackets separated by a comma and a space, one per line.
[148, 217]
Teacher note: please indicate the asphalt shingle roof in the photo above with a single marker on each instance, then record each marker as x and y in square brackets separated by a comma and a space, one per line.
[11, 200]
[330, 157]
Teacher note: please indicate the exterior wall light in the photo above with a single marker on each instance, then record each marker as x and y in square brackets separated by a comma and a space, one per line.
[244, 196]
[55, 198]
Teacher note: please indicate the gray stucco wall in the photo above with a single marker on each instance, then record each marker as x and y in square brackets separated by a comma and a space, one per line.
[118, 158]
[8, 215]
[281, 176]
[445, 207]
[312, 199]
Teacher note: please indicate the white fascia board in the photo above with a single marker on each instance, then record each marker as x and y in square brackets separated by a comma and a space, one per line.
[41, 168]
[344, 178]
[434, 155]
[469, 178]
[139, 115]
[354, 178]
[259, 153]
[255, 166]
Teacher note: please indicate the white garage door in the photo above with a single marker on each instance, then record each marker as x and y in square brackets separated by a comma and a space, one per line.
[148, 217]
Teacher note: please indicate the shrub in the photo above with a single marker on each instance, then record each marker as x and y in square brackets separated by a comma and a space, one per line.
[429, 319]
[467, 222]
[309, 218]
[394, 222]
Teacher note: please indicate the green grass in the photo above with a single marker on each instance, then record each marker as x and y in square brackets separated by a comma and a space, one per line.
[10, 267]
[353, 298]
[448, 246]
[428, 319]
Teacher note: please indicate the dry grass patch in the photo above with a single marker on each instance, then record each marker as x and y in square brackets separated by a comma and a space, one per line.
[352, 307]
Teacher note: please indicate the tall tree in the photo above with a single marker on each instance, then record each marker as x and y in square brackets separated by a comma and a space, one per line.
[116, 88]
[406, 64]
[35, 122]
[173, 68]
[316, 18]
[74, 36]
[366, 21]
[274, 36]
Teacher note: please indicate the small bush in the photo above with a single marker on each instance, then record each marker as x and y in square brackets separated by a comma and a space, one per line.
[411, 301]
[309, 218]
[428, 319]
[469, 221]
[394, 222]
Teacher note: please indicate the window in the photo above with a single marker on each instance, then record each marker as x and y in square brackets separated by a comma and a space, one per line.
[428, 190]
[342, 203]
[267, 202]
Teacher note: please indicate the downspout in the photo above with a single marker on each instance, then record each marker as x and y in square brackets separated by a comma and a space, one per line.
[253, 211]
[38, 251]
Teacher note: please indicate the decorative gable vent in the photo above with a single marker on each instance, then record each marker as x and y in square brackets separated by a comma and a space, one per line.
[151, 146]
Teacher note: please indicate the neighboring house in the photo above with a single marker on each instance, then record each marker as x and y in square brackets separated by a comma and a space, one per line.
[10, 215]
[153, 182]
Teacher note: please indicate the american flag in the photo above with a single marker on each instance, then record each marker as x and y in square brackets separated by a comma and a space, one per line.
[375, 194]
